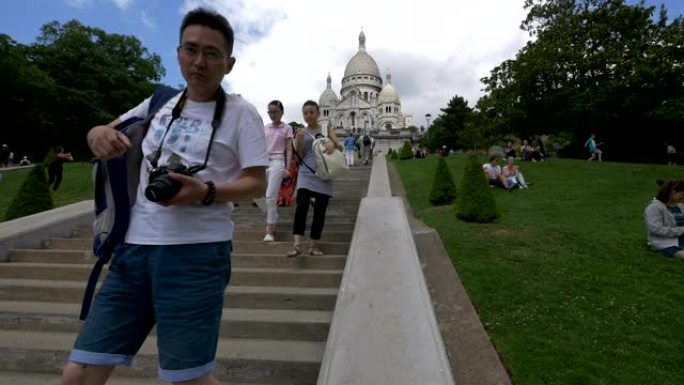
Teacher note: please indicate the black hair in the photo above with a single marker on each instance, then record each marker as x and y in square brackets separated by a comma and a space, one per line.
[211, 19]
[493, 158]
[278, 104]
[667, 187]
[311, 103]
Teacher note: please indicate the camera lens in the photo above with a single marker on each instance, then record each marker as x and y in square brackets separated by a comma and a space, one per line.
[162, 188]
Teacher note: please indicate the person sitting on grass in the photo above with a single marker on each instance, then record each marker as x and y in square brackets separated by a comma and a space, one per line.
[664, 218]
[493, 173]
[512, 174]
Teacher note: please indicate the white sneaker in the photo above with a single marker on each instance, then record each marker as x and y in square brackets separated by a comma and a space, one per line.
[269, 238]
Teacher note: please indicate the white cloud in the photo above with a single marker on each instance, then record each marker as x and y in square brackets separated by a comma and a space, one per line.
[122, 4]
[435, 49]
[147, 20]
[78, 3]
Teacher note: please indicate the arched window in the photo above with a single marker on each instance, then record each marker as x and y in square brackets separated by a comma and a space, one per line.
[365, 95]
[388, 126]
[352, 115]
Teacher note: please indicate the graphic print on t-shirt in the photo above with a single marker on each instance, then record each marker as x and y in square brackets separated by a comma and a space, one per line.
[187, 137]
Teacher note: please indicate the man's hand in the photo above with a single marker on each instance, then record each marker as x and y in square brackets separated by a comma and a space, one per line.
[286, 174]
[193, 190]
[106, 142]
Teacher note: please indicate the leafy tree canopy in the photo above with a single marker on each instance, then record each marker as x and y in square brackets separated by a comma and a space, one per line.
[72, 78]
[597, 66]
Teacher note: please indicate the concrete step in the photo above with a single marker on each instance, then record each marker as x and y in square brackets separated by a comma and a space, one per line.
[286, 236]
[239, 275]
[339, 248]
[251, 297]
[237, 359]
[275, 324]
[237, 259]
[17, 378]
[256, 225]
[335, 207]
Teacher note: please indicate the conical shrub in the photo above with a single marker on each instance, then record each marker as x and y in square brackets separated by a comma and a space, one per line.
[443, 190]
[406, 151]
[33, 195]
[475, 202]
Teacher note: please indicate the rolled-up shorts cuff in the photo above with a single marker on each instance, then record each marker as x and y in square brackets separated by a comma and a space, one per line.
[186, 374]
[92, 358]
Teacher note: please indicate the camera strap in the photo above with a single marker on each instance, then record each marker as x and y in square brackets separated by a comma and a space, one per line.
[175, 114]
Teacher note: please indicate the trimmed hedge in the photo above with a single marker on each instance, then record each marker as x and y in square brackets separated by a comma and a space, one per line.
[406, 151]
[33, 195]
[476, 202]
[443, 190]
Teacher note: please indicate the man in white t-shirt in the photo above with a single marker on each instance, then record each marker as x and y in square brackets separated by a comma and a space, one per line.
[493, 173]
[175, 264]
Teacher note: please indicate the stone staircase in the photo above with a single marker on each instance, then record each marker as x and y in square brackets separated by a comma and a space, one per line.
[275, 321]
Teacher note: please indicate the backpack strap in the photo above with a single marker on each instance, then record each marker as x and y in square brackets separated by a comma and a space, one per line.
[300, 160]
[115, 171]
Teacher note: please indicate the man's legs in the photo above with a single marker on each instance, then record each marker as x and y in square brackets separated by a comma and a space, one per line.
[349, 155]
[118, 322]
[79, 374]
[58, 179]
[189, 284]
[206, 380]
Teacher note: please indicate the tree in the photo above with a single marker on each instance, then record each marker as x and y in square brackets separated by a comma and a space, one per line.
[74, 77]
[475, 202]
[443, 191]
[406, 151]
[597, 66]
[447, 127]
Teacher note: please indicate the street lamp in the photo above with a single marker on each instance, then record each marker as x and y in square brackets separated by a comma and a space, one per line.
[427, 117]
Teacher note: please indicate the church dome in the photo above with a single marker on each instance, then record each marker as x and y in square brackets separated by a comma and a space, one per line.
[389, 94]
[362, 63]
[328, 97]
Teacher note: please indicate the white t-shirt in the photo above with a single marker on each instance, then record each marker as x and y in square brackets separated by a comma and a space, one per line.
[238, 144]
[493, 172]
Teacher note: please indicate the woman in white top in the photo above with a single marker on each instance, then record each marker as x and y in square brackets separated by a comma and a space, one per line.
[279, 147]
[664, 219]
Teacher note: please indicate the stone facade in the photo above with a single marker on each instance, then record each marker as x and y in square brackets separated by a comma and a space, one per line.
[366, 104]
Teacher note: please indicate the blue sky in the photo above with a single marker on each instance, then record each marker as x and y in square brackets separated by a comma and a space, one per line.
[286, 48]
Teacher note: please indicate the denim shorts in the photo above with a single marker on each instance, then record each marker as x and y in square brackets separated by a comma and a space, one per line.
[180, 288]
[670, 251]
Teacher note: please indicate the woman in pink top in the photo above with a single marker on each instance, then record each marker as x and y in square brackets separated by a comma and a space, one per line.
[279, 147]
[511, 172]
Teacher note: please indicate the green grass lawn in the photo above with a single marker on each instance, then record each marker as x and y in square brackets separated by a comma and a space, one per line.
[564, 282]
[76, 185]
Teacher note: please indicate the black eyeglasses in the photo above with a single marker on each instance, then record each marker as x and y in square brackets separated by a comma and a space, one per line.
[209, 53]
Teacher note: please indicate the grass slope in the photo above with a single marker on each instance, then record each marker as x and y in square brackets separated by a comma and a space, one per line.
[563, 281]
[76, 185]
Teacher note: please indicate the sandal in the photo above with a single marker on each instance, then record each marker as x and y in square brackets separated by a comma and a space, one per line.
[296, 250]
[315, 251]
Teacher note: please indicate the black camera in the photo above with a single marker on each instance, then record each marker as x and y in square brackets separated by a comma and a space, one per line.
[161, 187]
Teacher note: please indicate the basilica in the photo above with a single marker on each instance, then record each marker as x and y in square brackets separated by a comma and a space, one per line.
[366, 104]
